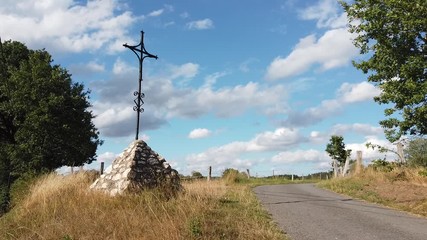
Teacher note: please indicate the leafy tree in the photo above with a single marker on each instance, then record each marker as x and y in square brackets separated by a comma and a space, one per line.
[336, 149]
[195, 174]
[393, 34]
[416, 152]
[44, 117]
[229, 171]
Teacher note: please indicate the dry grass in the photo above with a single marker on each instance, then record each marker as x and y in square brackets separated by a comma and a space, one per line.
[402, 188]
[59, 207]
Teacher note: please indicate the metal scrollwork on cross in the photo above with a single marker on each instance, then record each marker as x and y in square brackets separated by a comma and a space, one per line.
[141, 53]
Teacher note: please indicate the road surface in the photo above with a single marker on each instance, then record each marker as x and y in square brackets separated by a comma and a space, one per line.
[306, 212]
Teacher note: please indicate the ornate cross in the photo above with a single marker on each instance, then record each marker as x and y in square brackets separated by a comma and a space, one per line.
[141, 53]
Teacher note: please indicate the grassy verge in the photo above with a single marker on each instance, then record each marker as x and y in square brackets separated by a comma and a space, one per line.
[59, 207]
[402, 188]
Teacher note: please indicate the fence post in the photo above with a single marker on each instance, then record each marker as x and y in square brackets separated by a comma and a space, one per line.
[210, 173]
[400, 152]
[358, 162]
[292, 177]
[102, 168]
[249, 175]
[335, 169]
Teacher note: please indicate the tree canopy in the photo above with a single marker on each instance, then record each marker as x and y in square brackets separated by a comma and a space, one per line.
[416, 152]
[336, 149]
[44, 118]
[393, 34]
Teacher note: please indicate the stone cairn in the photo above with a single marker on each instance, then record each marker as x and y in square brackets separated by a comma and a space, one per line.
[138, 168]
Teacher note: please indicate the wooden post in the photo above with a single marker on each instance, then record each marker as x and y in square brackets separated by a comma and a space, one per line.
[292, 177]
[249, 175]
[335, 168]
[346, 166]
[359, 163]
[400, 152]
[102, 168]
[210, 173]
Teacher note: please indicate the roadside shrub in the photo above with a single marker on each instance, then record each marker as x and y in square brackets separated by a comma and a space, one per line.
[382, 165]
[231, 176]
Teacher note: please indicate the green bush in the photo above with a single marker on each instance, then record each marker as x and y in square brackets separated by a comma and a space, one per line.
[382, 165]
[231, 176]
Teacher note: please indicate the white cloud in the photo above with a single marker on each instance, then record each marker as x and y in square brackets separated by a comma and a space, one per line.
[66, 26]
[369, 154]
[358, 92]
[300, 156]
[87, 68]
[156, 13]
[326, 12]
[107, 157]
[199, 133]
[346, 94]
[231, 155]
[333, 49]
[365, 129]
[200, 24]
[279, 139]
[166, 98]
[187, 70]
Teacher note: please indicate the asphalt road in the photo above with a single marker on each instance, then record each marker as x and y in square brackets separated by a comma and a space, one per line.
[306, 212]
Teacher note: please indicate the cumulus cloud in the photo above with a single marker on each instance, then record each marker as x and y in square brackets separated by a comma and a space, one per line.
[365, 129]
[199, 133]
[231, 155]
[87, 68]
[346, 94]
[200, 24]
[333, 49]
[300, 156]
[166, 98]
[66, 26]
[369, 154]
[187, 70]
[350, 93]
[326, 12]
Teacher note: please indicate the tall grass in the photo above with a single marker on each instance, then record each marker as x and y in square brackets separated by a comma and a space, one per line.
[401, 188]
[63, 207]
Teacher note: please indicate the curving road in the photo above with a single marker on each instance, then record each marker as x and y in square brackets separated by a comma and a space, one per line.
[306, 212]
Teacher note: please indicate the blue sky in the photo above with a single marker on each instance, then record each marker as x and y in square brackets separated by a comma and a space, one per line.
[259, 85]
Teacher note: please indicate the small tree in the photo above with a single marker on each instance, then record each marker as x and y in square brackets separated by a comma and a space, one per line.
[195, 174]
[336, 149]
[416, 152]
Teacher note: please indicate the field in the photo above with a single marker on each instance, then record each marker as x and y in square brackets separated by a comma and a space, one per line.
[63, 207]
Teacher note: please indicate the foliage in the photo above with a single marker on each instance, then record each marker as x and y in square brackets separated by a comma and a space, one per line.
[231, 176]
[44, 121]
[417, 152]
[336, 149]
[383, 149]
[382, 165]
[195, 174]
[393, 34]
